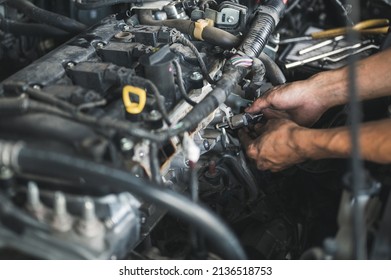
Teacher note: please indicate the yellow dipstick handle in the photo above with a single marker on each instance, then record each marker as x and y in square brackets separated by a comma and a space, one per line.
[134, 107]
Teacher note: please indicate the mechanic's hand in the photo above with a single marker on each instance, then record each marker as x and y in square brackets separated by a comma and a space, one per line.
[276, 147]
[296, 101]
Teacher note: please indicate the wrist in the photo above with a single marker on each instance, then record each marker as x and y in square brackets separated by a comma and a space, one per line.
[302, 144]
[322, 143]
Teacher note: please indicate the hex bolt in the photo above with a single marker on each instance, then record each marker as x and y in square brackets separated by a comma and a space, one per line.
[33, 200]
[89, 210]
[34, 204]
[60, 205]
[89, 225]
[61, 220]
[70, 64]
[126, 144]
[230, 19]
[100, 45]
[196, 76]
[155, 115]
[206, 144]
[5, 173]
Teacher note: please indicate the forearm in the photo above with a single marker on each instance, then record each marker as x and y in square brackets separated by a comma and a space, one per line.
[372, 76]
[375, 142]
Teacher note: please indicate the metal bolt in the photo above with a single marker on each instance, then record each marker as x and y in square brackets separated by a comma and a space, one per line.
[196, 76]
[36, 87]
[141, 154]
[34, 204]
[230, 19]
[60, 205]
[61, 221]
[33, 196]
[100, 45]
[155, 115]
[89, 225]
[126, 144]
[5, 173]
[206, 144]
[89, 210]
[70, 64]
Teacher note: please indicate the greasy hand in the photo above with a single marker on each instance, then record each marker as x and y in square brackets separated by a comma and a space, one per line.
[296, 101]
[276, 146]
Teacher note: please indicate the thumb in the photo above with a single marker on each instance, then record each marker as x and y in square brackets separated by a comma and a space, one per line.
[258, 105]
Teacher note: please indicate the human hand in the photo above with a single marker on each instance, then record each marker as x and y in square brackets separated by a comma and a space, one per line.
[277, 146]
[297, 101]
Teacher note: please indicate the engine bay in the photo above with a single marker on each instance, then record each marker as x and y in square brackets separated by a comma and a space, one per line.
[119, 130]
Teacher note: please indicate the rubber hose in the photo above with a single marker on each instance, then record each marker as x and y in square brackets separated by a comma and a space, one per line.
[47, 17]
[31, 29]
[273, 72]
[231, 77]
[211, 35]
[219, 37]
[93, 4]
[262, 27]
[182, 25]
[96, 175]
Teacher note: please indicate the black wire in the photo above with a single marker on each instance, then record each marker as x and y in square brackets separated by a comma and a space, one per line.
[107, 179]
[49, 98]
[12, 106]
[155, 91]
[204, 70]
[179, 79]
[154, 162]
[47, 17]
[345, 13]
[292, 6]
[31, 29]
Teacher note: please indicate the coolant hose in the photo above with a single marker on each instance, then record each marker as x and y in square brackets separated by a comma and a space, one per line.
[211, 35]
[273, 72]
[231, 76]
[263, 25]
[47, 17]
[266, 19]
[96, 175]
[31, 29]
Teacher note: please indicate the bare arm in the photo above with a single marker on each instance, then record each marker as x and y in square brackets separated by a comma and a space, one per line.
[305, 101]
[375, 142]
[282, 143]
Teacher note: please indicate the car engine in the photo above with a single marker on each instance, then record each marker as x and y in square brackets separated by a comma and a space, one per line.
[119, 121]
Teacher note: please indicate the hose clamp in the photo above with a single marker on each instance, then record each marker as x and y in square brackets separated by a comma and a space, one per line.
[199, 26]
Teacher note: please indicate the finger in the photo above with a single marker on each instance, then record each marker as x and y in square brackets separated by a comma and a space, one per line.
[259, 128]
[275, 114]
[244, 137]
[258, 105]
[263, 164]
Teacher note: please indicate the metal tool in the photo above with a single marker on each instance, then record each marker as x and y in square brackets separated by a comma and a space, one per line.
[320, 45]
[327, 54]
[239, 121]
[371, 26]
[342, 57]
